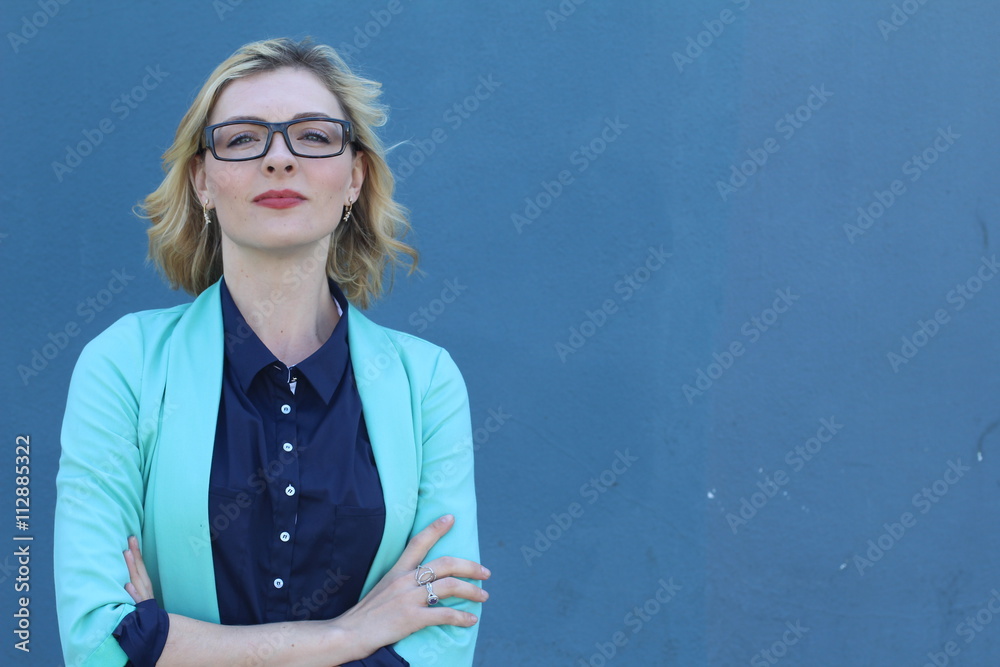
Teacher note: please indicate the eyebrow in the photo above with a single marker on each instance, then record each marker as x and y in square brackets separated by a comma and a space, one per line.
[304, 114]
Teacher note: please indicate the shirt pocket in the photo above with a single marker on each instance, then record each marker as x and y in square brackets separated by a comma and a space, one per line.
[230, 512]
[356, 536]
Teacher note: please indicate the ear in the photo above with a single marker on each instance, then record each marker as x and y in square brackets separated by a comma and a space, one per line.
[198, 179]
[358, 171]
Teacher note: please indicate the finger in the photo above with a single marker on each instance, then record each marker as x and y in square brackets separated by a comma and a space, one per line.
[133, 573]
[444, 615]
[450, 566]
[138, 590]
[450, 587]
[130, 589]
[130, 585]
[137, 569]
[421, 543]
[140, 564]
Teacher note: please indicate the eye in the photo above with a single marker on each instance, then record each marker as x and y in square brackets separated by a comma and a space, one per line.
[239, 136]
[314, 135]
[242, 138]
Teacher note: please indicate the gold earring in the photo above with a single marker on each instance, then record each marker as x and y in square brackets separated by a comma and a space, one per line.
[204, 210]
[347, 211]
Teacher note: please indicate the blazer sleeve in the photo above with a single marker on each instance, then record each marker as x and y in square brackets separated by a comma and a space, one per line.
[447, 486]
[99, 494]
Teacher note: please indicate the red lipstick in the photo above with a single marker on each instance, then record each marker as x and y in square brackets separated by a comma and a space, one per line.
[279, 198]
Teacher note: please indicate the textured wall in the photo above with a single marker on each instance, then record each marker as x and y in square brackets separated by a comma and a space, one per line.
[724, 416]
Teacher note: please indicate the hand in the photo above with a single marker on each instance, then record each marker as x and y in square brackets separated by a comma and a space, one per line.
[139, 586]
[397, 607]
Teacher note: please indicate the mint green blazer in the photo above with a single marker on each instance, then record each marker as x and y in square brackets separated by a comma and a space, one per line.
[137, 442]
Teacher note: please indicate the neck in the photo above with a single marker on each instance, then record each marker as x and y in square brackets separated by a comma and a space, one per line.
[285, 299]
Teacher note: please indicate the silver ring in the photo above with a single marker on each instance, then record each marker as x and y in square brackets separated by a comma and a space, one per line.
[424, 575]
[431, 598]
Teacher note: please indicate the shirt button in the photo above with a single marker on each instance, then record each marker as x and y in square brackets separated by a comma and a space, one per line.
[285, 409]
[278, 583]
[285, 537]
[289, 490]
[287, 446]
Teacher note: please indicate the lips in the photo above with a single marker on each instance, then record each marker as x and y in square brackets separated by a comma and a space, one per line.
[279, 198]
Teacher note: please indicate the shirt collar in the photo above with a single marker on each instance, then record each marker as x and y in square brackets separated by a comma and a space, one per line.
[247, 355]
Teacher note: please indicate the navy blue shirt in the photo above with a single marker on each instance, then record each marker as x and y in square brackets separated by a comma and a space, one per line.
[296, 510]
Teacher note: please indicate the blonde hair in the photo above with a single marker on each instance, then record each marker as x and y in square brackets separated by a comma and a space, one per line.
[188, 252]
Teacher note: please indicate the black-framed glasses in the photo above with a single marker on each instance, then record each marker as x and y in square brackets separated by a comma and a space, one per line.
[238, 140]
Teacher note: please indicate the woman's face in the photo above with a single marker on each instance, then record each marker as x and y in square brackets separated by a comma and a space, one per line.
[315, 189]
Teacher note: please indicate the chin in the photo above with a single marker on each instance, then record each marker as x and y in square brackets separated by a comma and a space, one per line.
[272, 230]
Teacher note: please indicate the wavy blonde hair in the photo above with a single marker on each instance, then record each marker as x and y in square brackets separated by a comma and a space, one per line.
[188, 252]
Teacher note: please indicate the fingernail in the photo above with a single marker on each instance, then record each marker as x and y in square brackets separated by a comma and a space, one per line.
[486, 572]
[475, 619]
[486, 596]
[447, 518]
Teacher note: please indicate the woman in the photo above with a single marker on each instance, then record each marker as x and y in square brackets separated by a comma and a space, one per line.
[298, 479]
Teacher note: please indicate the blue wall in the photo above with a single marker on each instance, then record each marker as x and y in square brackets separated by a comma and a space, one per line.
[711, 394]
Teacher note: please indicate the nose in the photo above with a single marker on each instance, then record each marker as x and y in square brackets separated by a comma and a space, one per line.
[279, 157]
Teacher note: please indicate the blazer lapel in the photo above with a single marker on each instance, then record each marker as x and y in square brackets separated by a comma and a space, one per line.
[177, 496]
[388, 405]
